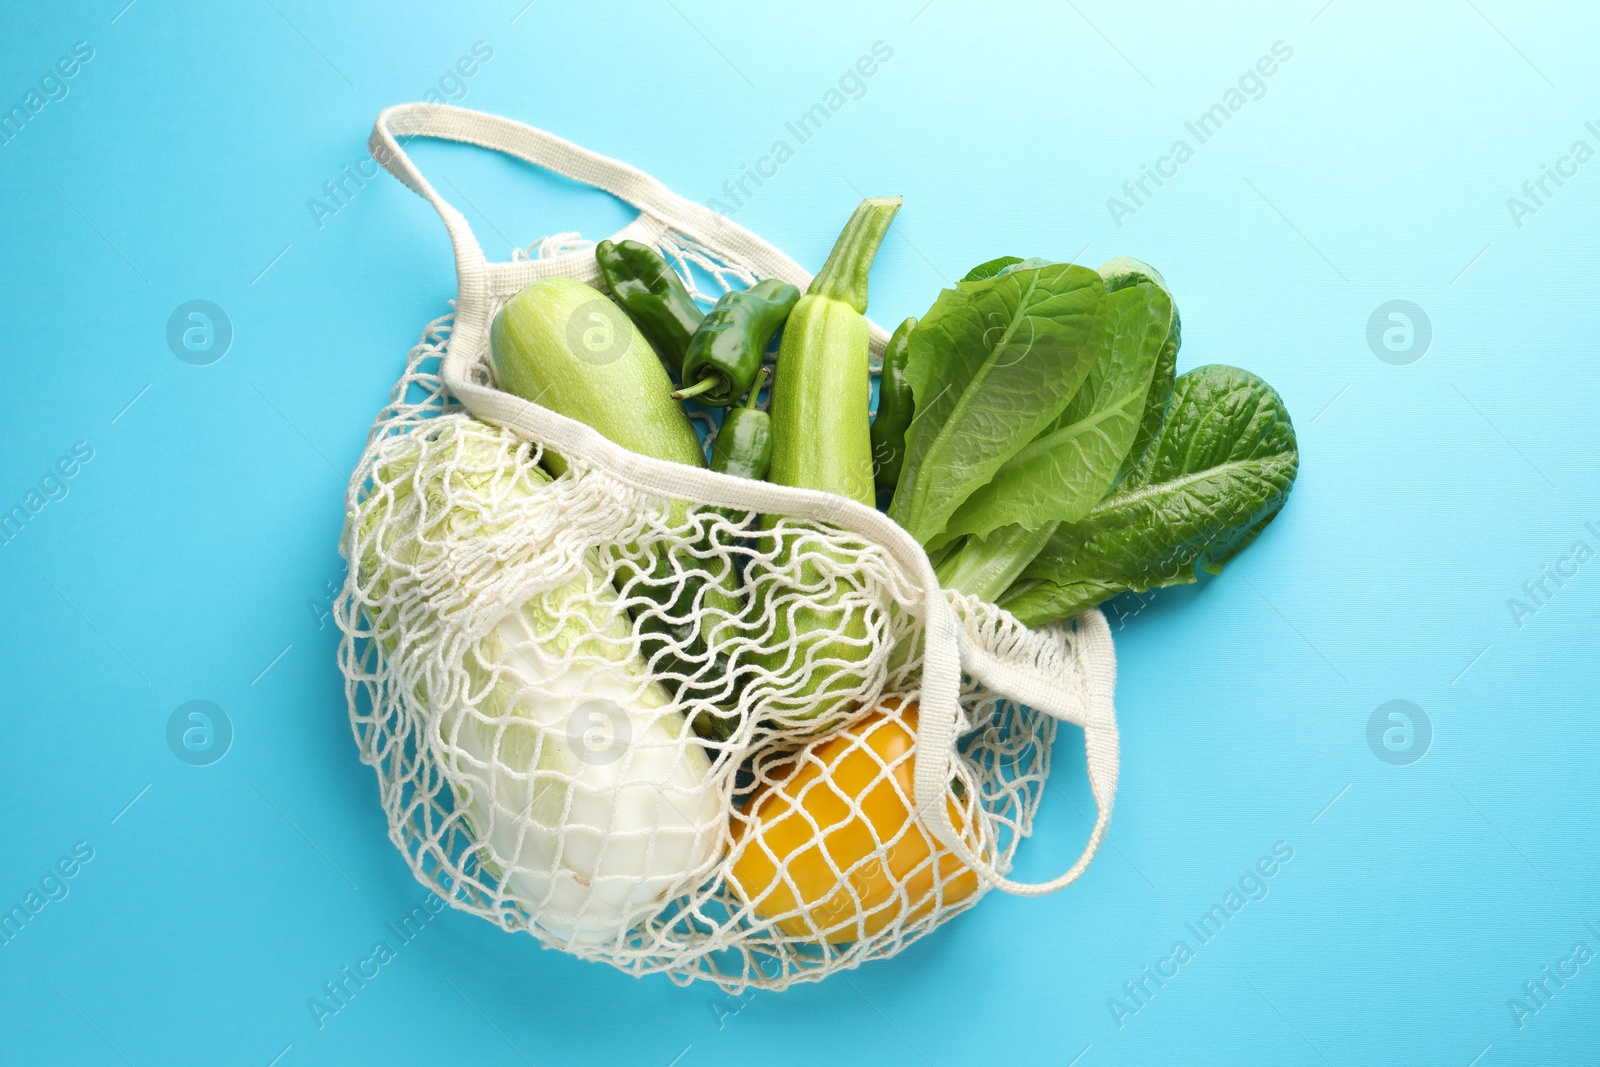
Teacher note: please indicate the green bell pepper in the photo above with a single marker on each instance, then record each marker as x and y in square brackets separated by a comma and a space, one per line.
[726, 349]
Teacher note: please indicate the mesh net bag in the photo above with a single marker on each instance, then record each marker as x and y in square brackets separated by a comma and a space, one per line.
[527, 658]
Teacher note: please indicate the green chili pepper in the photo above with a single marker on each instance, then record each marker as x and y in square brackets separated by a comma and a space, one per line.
[652, 294]
[743, 446]
[895, 408]
[726, 349]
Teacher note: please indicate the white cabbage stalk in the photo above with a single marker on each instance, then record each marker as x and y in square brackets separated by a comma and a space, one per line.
[593, 804]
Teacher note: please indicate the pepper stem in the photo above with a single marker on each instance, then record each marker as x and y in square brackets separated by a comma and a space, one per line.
[844, 276]
[696, 389]
[755, 390]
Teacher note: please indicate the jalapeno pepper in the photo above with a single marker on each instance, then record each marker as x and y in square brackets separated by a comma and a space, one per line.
[652, 294]
[895, 408]
[743, 446]
[727, 347]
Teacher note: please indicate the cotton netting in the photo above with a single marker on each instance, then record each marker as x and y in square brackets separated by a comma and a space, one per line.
[525, 658]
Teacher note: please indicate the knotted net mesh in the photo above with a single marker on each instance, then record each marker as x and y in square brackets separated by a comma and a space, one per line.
[528, 658]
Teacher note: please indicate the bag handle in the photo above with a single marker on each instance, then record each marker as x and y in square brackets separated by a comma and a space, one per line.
[1094, 711]
[660, 210]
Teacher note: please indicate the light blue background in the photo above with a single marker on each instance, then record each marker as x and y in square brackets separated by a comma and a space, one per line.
[190, 557]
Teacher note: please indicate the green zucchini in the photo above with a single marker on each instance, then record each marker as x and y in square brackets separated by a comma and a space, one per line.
[821, 439]
[565, 346]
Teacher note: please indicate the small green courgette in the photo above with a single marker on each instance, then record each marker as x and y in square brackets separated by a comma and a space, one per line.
[821, 440]
[563, 345]
[823, 389]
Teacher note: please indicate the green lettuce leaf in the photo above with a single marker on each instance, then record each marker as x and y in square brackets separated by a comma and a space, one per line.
[1119, 273]
[990, 268]
[1068, 468]
[1218, 471]
[991, 365]
[1024, 264]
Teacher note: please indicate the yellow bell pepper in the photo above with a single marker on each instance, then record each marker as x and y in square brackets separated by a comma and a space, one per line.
[828, 848]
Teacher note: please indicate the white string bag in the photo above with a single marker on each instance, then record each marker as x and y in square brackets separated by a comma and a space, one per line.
[523, 656]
